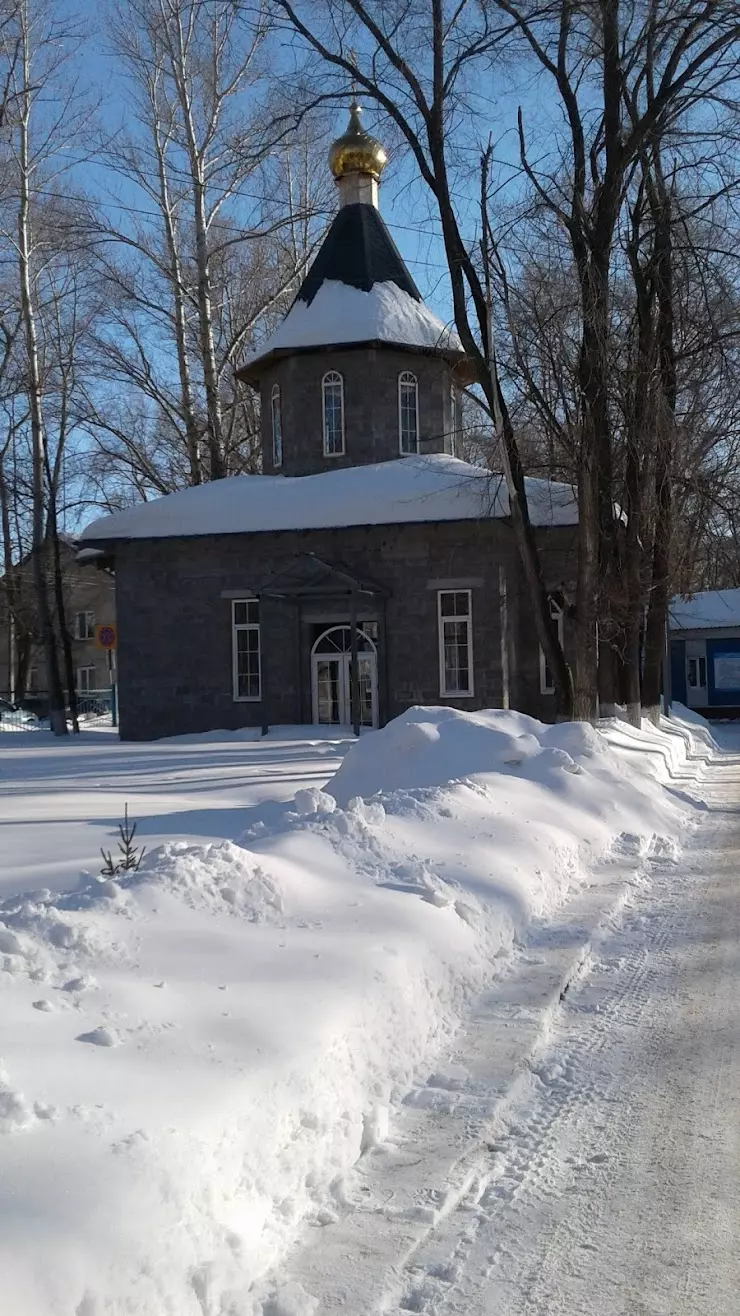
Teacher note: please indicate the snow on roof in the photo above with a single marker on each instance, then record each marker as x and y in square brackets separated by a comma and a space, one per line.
[340, 313]
[89, 555]
[410, 489]
[710, 610]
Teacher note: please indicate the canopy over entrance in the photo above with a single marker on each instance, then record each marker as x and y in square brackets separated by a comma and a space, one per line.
[310, 577]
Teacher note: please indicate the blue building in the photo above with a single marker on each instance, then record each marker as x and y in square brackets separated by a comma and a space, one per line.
[705, 652]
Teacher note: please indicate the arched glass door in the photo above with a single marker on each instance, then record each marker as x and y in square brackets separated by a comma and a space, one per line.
[331, 678]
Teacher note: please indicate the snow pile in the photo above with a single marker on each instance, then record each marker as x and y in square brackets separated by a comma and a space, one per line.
[434, 746]
[340, 314]
[193, 1056]
[222, 878]
[410, 489]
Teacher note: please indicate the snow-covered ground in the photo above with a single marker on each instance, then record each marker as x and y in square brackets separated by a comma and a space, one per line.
[60, 801]
[228, 1082]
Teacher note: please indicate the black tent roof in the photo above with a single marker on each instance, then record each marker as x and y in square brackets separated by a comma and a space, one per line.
[358, 254]
[358, 250]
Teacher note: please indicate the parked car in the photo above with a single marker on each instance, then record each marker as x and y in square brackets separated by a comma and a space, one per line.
[15, 718]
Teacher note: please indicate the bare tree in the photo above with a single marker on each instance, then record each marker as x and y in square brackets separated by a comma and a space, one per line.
[47, 114]
[208, 253]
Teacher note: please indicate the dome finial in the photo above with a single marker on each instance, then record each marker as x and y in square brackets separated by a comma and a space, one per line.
[356, 152]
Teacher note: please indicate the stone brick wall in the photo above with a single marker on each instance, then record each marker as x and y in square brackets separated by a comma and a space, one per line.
[558, 554]
[370, 406]
[174, 613]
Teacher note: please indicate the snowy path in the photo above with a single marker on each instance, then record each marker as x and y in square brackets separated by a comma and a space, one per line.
[605, 1176]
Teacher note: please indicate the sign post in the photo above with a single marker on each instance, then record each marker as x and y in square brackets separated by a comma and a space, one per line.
[106, 638]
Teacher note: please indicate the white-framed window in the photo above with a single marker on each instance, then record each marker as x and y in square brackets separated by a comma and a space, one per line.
[455, 620]
[247, 674]
[547, 680]
[85, 679]
[84, 626]
[32, 680]
[696, 673]
[277, 426]
[408, 413]
[332, 386]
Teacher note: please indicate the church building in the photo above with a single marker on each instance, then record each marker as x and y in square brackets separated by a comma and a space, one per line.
[368, 568]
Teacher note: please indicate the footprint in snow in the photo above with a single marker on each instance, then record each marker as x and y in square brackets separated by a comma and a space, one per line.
[79, 984]
[100, 1037]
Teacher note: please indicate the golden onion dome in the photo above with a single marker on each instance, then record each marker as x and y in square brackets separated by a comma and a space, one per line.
[356, 152]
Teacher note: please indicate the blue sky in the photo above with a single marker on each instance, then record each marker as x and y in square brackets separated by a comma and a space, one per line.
[406, 204]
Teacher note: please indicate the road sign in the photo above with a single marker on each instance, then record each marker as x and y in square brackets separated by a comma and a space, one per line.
[106, 637]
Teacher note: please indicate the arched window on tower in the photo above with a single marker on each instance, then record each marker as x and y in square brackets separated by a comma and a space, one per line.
[277, 427]
[408, 413]
[333, 391]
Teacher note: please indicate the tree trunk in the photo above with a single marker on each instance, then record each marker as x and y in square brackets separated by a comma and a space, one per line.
[217, 457]
[69, 667]
[529, 556]
[596, 526]
[57, 712]
[639, 411]
[657, 615]
[192, 436]
[217, 460]
[10, 583]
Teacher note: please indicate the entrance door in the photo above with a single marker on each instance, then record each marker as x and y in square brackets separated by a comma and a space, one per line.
[696, 673]
[331, 678]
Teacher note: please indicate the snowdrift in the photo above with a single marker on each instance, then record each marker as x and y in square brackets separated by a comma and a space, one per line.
[195, 1054]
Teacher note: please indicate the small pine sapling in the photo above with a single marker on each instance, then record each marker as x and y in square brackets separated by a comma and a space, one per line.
[131, 855]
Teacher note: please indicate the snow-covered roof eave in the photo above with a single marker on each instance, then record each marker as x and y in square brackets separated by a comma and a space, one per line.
[709, 610]
[89, 555]
[405, 491]
[252, 369]
[340, 315]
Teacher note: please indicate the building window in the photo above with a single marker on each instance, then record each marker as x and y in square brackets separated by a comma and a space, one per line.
[455, 616]
[84, 625]
[408, 413]
[696, 669]
[246, 649]
[85, 679]
[547, 680]
[277, 427]
[333, 389]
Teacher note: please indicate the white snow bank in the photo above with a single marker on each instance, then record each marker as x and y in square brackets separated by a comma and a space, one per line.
[711, 610]
[340, 314]
[194, 1055]
[433, 746]
[411, 489]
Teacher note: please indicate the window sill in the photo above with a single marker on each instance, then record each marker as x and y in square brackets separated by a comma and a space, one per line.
[246, 699]
[457, 694]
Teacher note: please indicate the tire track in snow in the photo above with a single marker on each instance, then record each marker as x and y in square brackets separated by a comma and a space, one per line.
[561, 1094]
[577, 1154]
[399, 1198]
